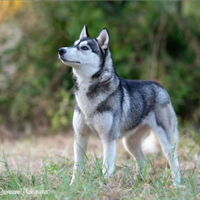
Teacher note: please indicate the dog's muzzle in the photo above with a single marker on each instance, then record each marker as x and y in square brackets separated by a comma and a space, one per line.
[61, 51]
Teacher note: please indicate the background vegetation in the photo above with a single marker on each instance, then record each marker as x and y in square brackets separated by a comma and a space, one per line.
[149, 40]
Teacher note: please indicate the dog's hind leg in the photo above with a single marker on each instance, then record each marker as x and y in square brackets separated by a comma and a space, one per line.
[165, 128]
[133, 144]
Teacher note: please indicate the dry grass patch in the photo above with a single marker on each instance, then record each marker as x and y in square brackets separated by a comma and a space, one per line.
[46, 163]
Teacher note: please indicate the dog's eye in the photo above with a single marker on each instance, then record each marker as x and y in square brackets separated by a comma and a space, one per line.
[84, 48]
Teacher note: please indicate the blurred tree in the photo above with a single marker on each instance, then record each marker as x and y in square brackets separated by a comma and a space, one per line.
[179, 7]
[8, 9]
[145, 43]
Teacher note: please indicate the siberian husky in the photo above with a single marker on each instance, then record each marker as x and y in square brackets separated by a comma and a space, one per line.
[112, 107]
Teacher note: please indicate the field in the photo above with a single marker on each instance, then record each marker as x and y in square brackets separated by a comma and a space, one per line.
[155, 41]
[41, 168]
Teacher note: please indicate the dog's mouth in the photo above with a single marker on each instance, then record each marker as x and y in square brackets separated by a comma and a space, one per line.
[67, 61]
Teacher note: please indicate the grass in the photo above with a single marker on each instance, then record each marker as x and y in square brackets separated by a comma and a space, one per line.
[52, 180]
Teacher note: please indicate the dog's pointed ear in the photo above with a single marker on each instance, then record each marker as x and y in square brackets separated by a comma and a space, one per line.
[84, 32]
[103, 39]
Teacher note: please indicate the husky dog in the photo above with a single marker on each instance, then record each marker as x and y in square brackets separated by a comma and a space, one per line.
[112, 107]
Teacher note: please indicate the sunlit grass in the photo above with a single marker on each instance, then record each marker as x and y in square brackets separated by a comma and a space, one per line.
[126, 183]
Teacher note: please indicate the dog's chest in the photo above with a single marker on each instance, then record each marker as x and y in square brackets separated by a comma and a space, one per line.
[87, 105]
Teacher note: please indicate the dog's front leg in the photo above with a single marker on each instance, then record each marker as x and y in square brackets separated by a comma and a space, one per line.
[80, 147]
[81, 134]
[108, 129]
[109, 155]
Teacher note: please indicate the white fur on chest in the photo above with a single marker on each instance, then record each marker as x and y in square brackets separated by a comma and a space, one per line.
[86, 105]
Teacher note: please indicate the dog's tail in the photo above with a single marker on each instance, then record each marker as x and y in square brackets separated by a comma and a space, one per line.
[150, 144]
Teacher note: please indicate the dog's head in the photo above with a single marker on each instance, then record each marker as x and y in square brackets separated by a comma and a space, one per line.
[86, 52]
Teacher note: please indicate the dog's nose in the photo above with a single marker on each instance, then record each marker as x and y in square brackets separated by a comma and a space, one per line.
[62, 51]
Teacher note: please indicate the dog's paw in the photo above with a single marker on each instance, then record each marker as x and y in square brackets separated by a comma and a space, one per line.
[72, 181]
[177, 185]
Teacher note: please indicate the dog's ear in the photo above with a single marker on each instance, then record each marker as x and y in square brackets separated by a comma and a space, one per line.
[103, 39]
[84, 32]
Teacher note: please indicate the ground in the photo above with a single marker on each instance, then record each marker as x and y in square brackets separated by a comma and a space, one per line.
[46, 162]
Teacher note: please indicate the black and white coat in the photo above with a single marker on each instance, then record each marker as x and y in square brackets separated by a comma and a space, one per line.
[112, 107]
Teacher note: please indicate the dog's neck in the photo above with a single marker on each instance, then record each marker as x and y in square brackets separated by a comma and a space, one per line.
[92, 88]
[85, 76]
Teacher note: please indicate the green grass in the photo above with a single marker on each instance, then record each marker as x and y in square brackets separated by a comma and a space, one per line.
[125, 183]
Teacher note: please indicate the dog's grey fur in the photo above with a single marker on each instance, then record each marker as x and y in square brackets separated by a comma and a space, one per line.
[112, 107]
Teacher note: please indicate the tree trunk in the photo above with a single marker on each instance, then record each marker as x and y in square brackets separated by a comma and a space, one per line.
[179, 7]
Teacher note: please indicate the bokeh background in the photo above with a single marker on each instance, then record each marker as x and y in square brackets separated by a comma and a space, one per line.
[149, 40]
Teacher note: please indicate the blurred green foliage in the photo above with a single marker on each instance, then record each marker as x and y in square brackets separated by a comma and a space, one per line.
[149, 40]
